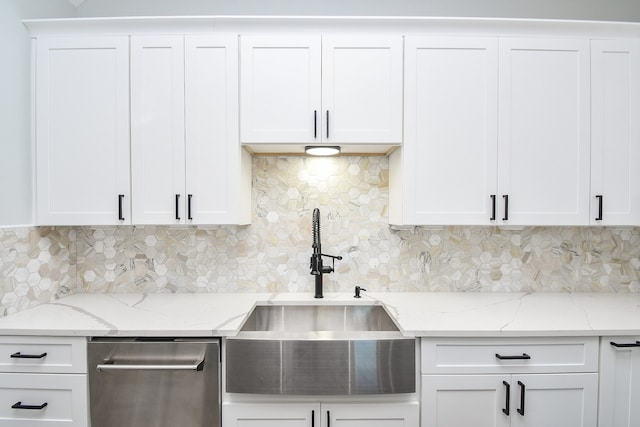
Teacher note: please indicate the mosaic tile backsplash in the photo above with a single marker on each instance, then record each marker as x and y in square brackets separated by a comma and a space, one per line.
[272, 255]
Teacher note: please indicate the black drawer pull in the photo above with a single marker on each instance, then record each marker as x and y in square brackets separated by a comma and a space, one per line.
[522, 392]
[315, 126]
[524, 356]
[327, 124]
[493, 208]
[19, 405]
[507, 401]
[313, 418]
[120, 215]
[177, 207]
[506, 207]
[19, 355]
[636, 344]
[599, 217]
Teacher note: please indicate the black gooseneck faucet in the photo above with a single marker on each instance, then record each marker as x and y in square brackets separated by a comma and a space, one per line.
[317, 268]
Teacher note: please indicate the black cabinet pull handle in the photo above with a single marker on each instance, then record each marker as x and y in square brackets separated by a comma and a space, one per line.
[19, 405]
[177, 206]
[313, 418]
[524, 356]
[19, 355]
[600, 198]
[315, 124]
[507, 401]
[506, 207]
[493, 208]
[522, 392]
[328, 413]
[189, 197]
[120, 198]
[616, 345]
[327, 124]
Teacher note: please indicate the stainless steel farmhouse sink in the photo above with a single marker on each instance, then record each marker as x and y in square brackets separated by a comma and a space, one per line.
[320, 350]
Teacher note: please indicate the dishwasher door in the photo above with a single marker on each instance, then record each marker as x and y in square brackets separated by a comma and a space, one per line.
[149, 382]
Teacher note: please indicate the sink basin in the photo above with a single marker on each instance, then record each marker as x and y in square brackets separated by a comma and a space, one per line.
[320, 350]
[319, 322]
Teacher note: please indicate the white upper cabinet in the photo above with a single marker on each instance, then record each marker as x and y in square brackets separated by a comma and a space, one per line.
[157, 129]
[82, 131]
[447, 167]
[188, 167]
[544, 135]
[496, 132]
[218, 172]
[615, 133]
[279, 88]
[362, 89]
[297, 89]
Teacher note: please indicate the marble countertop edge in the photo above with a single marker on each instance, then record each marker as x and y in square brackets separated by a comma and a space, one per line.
[416, 314]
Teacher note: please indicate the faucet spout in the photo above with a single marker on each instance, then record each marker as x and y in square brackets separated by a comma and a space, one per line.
[316, 264]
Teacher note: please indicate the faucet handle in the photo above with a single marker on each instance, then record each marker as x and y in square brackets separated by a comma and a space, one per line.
[358, 289]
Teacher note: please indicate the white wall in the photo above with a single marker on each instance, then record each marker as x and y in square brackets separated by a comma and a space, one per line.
[610, 10]
[15, 84]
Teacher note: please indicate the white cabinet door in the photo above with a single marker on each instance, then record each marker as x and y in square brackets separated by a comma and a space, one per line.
[446, 171]
[82, 131]
[270, 414]
[555, 400]
[619, 382]
[537, 400]
[370, 415]
[157, 129]
[280, 89]
[615, 132]
[543, 141]
[60, 400]
[306, 89]
[218, 171]
[362, 89]
[465, 400]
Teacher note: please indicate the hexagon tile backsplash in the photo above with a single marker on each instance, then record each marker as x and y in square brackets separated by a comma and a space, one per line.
[272, 255]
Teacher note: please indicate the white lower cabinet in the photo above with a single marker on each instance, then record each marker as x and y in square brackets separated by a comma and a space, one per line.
[619, 382]
[43, 382]
[502, 382]
[312, 414]
[464, 400]
[561, 400]
[34, 400]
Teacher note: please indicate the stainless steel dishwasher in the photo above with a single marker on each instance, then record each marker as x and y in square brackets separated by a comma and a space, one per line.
[154, 382]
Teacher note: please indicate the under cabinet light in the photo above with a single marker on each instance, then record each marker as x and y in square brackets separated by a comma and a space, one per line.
[321, 150]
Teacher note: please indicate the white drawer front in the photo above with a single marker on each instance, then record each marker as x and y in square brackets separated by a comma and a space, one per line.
[65, 397]
[506, 355]
[43, 354]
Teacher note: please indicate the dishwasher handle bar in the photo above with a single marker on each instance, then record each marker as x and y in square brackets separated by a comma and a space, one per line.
[109, 365]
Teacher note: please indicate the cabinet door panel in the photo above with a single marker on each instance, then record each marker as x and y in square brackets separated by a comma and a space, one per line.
[362, 89]
[555, 400]
[65, 396]
[82, 126]
[157, 129]
[544, 149]
[464, 400]
[280, 88]
[270, 414]
[370, 415]
[213, 153]
[615, 140]
[450, 148]
[619, 383]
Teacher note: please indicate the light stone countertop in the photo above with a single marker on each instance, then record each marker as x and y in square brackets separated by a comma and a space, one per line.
[417, 314]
